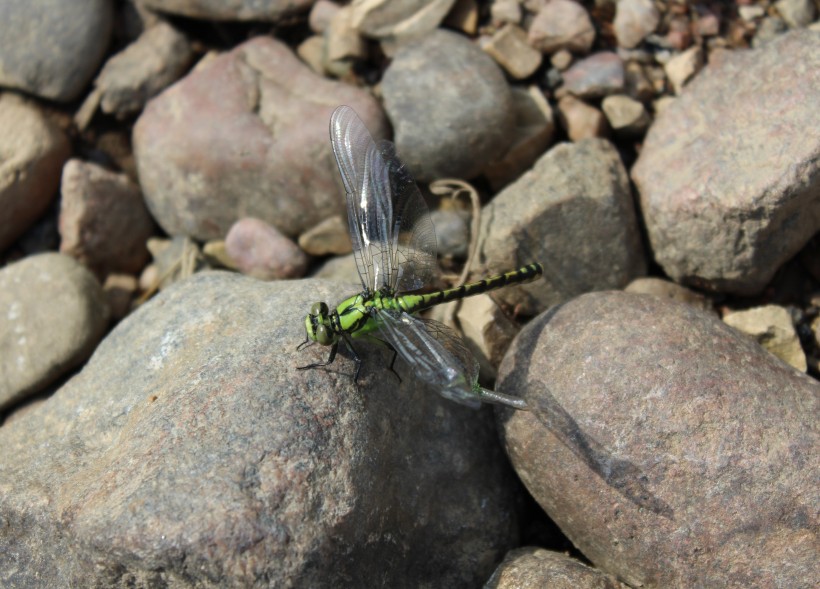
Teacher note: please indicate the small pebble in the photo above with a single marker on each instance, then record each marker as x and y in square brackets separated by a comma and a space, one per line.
[681, 68]
[581, 120]
[595, 76]
[330, 237]
[321, 14]
[773, 329]
[119, 292]
[562, 24]
[509, 47]
[626, 116]
[561, 60]
[505, 11]
[634, 20]
[452, 232]
[261, 251]
[796, 13]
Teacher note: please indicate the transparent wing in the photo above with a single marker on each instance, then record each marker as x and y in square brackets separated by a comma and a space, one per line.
[393, 238]
[435, 353]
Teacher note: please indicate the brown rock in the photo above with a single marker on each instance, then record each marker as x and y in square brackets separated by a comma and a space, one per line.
[508, 46]
[536, 567]
[261, 251]
[672, 450]
[245, 134]
[191, 452]
[595, 76]
[670, 291]
[399, 18]
[34, 151]
[331, 236]
[573, 212]
[627, 117]
[634, 20]
[581, 120]
[562, 24]
[772, 327]
[103, 220]
[727, 193]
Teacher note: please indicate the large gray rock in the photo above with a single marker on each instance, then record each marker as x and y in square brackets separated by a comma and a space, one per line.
[245, 135]
[190, 452]
[573, 213]
[53, 314]
[729, 174]
[451, 108]
[52, 48]
[34, 151]
[672, 450]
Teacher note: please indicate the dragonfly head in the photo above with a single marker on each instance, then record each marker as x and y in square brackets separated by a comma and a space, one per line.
[318, 326]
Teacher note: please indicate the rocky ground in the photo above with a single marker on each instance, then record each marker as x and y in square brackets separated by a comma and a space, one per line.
[171, 208]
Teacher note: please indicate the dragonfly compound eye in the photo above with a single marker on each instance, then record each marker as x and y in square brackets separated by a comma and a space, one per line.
[319, 310]
[323, 335]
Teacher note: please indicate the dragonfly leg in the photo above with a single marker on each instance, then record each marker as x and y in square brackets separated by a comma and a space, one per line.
[333, 349]
[393, 360]
[356, 357]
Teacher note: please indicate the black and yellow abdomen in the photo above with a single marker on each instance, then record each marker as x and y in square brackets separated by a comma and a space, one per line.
[415, 303]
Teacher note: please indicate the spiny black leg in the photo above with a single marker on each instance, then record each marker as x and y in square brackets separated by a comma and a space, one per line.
[333, 349]
[356, 358]
[393, 360]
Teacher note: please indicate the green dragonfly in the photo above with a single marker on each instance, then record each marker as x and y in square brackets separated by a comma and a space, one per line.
[394, 245]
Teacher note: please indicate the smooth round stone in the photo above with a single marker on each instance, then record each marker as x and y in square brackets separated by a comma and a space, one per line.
[245, 134]
[450, 106]
[52, 48]
[33, 153]
[657, 435]
[261, 251]
[53, 314]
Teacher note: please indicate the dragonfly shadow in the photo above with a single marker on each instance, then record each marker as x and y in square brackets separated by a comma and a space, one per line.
[621, 475]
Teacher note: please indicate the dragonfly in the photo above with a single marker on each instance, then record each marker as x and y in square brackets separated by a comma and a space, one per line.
[394, 245]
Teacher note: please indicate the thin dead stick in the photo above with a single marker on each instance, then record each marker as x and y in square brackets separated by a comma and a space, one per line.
[454, 188]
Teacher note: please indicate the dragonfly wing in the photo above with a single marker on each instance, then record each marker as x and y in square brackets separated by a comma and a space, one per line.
[413, 239]
[435, 353]
[352, 145]
[393, 238]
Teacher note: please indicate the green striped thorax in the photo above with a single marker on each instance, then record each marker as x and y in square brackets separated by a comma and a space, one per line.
[352, 316]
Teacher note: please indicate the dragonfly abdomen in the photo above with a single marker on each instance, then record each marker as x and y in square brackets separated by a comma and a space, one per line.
[414, 303]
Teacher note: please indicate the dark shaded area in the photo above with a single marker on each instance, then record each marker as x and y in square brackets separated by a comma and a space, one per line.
[623, 476]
